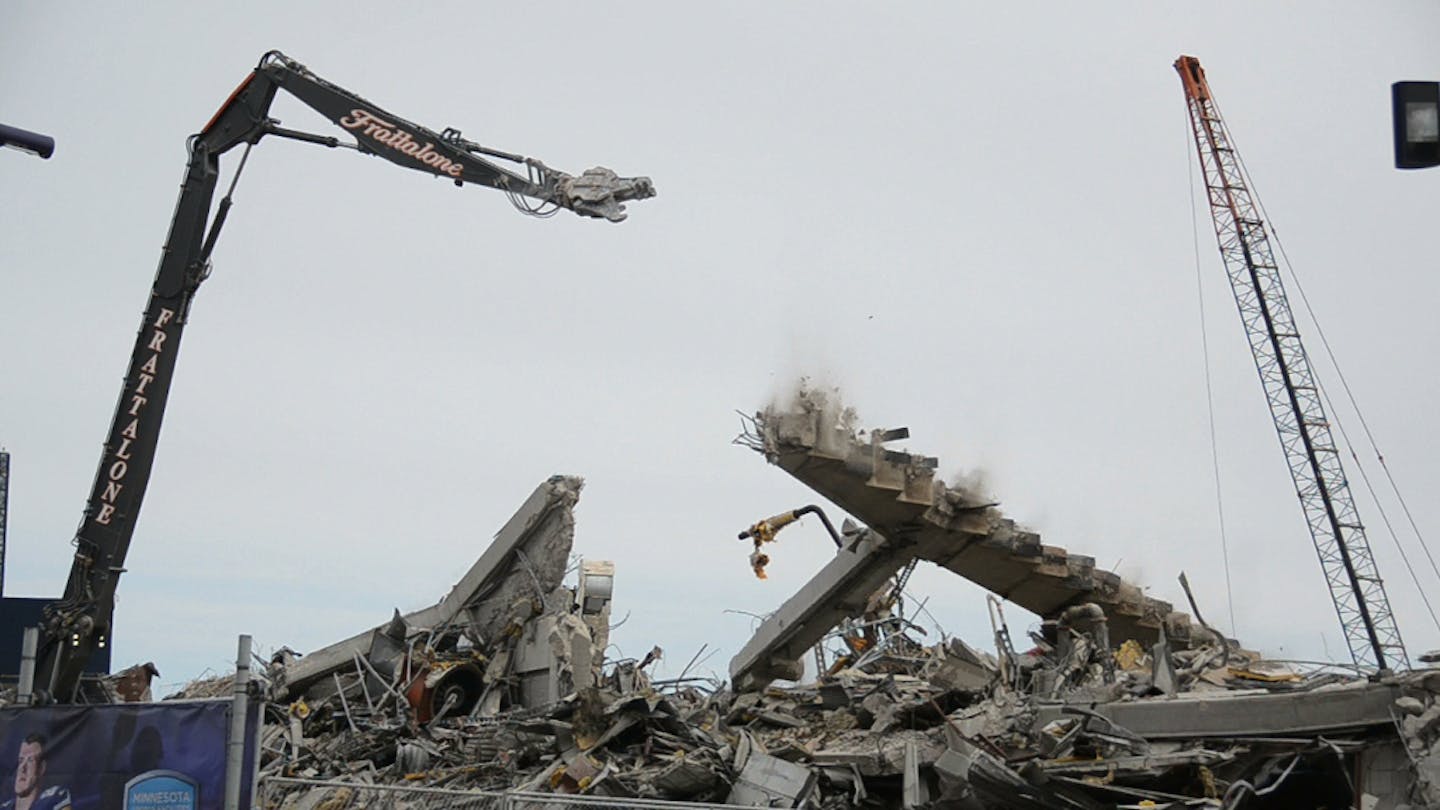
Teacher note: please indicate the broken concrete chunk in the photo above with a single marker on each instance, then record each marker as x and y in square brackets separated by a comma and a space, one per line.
[1409, 705]
[767, 781]
[527, 560]
[685, 778]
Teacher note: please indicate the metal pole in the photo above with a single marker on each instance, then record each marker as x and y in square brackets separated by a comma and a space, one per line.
[235, 753]
[25, 694]
[42, 146]
[4, 510]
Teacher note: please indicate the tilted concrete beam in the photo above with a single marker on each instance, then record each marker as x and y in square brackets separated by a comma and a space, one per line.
[1329, 710]
[542, 530]
[897, 496]
[839, 590]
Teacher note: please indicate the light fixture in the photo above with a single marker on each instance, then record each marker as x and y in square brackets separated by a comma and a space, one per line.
[1416, 109]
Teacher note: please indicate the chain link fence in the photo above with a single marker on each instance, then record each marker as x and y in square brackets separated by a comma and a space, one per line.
[551, 801]
[277, 793]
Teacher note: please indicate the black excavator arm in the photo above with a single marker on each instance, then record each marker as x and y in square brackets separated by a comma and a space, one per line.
[79, 622]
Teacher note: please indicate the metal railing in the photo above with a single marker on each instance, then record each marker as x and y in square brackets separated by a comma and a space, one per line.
[279, 793]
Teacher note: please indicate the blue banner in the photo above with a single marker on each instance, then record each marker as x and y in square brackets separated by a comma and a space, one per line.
[129, 756]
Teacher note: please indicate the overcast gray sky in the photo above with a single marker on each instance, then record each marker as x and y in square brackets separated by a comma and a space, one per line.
[973, 219]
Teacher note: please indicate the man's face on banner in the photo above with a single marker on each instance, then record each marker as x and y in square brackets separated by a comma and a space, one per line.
[30, 768]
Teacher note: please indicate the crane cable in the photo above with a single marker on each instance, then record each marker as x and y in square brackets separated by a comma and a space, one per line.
[1209, 390]
[1354, 405]
[1383, 516]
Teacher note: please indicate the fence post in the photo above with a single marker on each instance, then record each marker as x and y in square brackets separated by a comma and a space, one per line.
[235, 753]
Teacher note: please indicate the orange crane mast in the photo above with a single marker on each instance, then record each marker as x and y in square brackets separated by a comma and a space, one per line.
[1291, 389]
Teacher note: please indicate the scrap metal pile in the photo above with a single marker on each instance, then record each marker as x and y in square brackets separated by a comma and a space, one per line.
[1113, 700]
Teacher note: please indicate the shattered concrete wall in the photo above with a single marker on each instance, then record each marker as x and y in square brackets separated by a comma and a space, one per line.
[516, 581]
[528, 577]
[593, 593]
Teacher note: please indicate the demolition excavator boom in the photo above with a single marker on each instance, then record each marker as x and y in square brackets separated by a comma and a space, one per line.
[79, 622]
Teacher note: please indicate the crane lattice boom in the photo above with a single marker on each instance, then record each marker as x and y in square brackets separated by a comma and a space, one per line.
[1291, 389]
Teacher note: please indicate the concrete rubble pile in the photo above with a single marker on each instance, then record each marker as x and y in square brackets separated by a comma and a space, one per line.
[1114, 699]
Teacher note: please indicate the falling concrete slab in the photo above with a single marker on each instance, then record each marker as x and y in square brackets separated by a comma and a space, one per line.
[910, 514]
[518, 571]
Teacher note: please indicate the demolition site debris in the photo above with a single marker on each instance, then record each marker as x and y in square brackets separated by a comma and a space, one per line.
[1116, 700]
